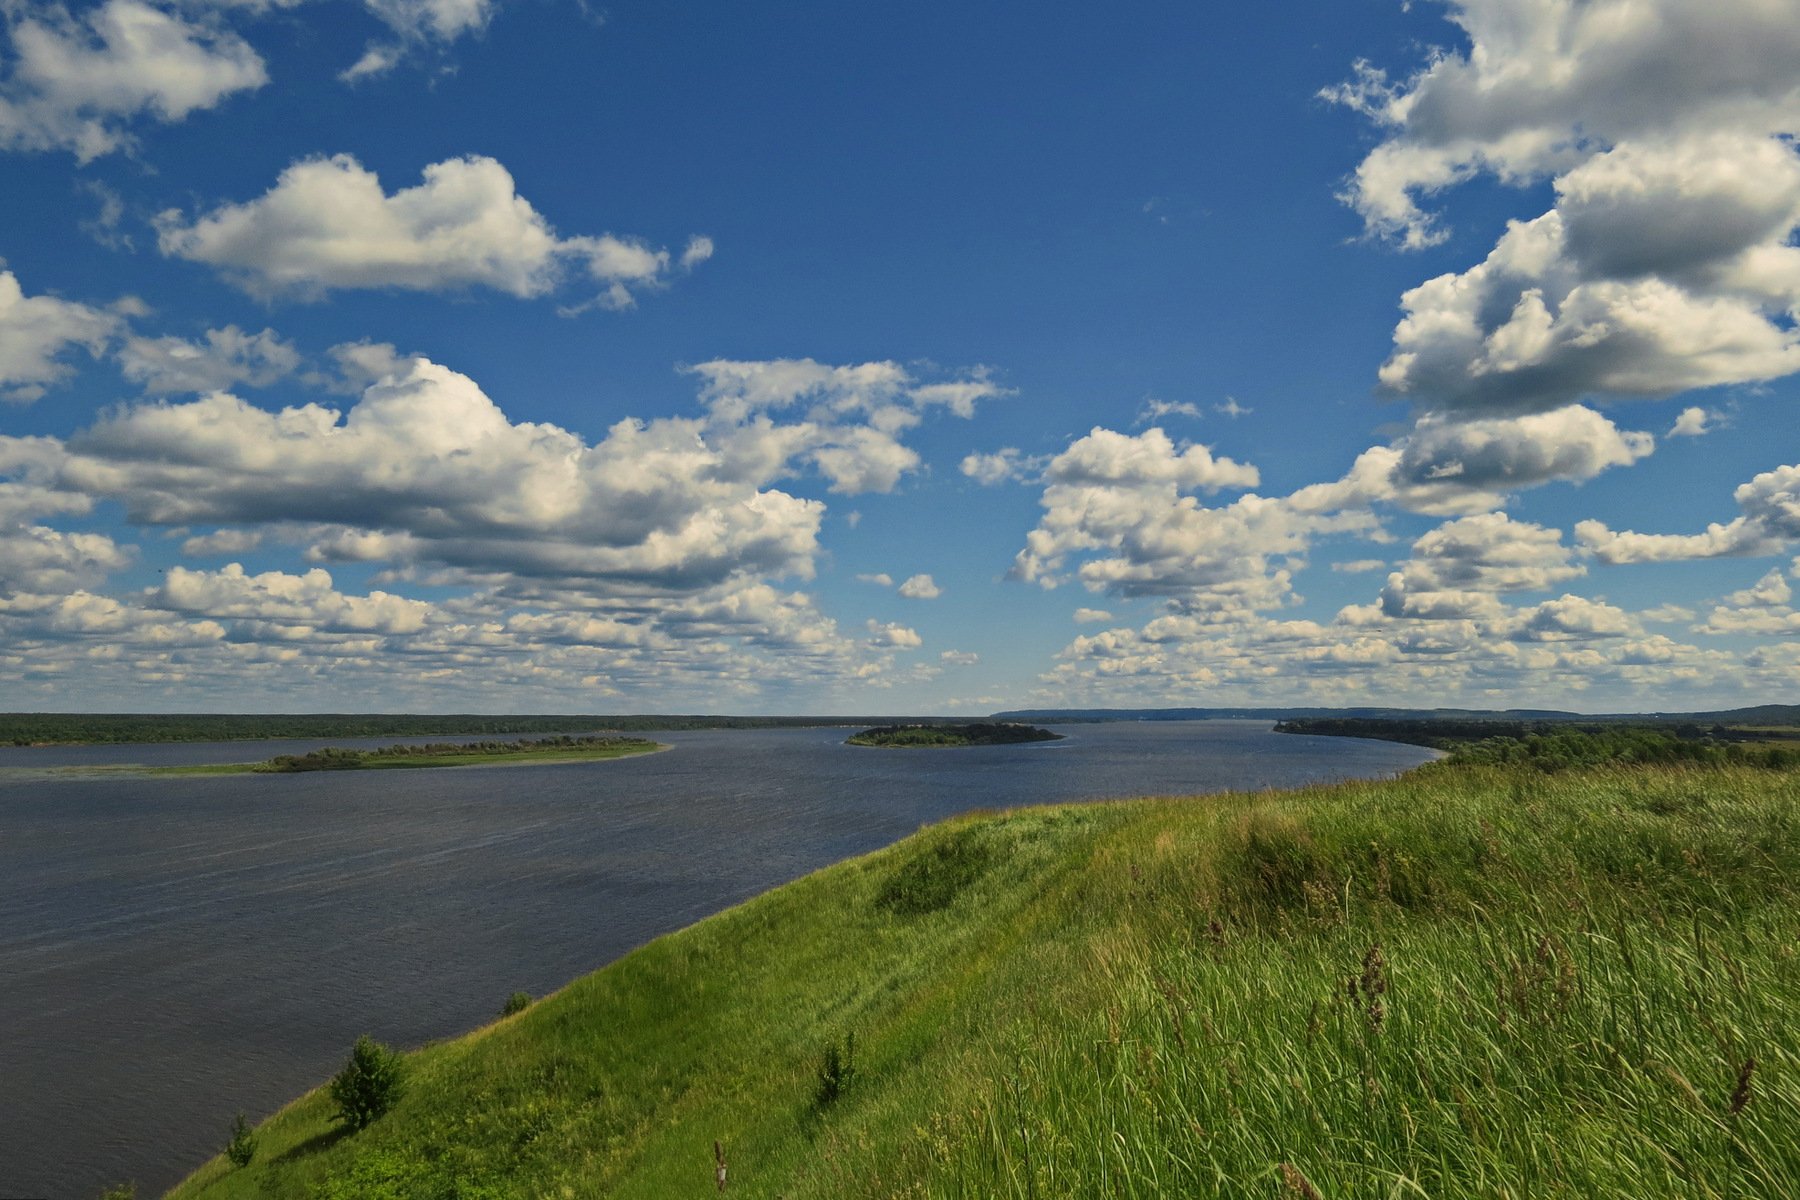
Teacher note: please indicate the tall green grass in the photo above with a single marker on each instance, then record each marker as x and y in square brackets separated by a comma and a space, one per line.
[1468, 981]
[1459, 984]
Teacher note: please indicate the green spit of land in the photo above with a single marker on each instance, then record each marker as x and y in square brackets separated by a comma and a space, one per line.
[978, 734]
[567, 748]
[1477, 979]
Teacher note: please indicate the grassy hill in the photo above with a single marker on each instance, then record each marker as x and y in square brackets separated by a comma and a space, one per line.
[1469, 981]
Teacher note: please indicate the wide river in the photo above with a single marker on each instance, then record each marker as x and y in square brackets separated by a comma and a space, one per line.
[173, 950]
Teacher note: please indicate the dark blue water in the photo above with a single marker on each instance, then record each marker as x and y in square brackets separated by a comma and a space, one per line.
[173, 950]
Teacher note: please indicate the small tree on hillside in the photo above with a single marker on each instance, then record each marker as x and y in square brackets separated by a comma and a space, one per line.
[370, 1083]
[242, 1147]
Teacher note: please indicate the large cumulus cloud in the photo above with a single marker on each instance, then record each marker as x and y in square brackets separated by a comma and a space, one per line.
[1665, 262]
[425, 469]
[1125, 506]
[1544, 84]
[328, 223]
[1583, 303]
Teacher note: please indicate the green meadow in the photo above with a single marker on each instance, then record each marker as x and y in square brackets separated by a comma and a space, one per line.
[1474, 980]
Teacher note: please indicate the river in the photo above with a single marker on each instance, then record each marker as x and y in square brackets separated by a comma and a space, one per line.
[173, 950]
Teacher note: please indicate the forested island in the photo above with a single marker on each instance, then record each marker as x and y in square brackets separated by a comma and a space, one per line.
[431, 754]
[978, 734]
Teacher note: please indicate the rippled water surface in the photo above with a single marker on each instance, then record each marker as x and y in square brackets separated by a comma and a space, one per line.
[173, 950]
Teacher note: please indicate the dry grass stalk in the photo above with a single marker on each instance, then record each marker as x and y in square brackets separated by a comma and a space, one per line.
[1298, 1184]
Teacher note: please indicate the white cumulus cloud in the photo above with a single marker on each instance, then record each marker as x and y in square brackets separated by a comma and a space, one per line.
[38, 559]
[1666, 262]
[892, 633]
[413, 24]
[1490, 552]
[329, 224]
[1125, 507]
[425, 471]
[1006, 465]
[35, 334]
[920, 587]
[76, 82]
[227, 357]
[644, 560]
[1768, 521]
[1445, 467]
[310, 600]
[1693, 421]
[853, 417]
[1545, 84]
[1762, 608]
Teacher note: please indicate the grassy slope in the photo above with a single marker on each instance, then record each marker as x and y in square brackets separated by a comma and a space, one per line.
[1154, 998]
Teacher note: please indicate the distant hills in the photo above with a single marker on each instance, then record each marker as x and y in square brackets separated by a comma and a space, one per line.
[28, 729]
[1761, 714]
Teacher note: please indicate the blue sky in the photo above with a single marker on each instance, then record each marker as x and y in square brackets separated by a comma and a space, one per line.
[472, 355]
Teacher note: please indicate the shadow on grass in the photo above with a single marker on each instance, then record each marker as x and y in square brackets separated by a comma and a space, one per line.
[313, 1145]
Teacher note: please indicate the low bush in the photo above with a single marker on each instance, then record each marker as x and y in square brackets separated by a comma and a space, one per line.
[370, 1084]
[837, 1068]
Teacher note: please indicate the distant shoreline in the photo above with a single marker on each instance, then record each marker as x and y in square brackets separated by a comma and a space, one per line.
[371, 761]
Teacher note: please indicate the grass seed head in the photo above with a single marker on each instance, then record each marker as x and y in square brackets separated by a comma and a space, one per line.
[1740, 1095]
[1374, 972]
